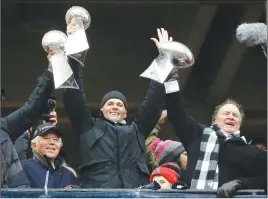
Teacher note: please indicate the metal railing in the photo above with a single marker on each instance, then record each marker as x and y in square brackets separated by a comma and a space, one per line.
[122, 193]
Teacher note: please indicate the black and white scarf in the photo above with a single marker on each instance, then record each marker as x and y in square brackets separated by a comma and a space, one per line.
[206, 174]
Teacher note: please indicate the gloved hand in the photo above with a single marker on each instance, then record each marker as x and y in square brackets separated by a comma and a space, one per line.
[173, 75]
[228, 189]
[171, 56]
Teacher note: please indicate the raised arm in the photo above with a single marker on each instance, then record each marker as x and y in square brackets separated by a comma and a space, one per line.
[74, 99]
[75, 103]
[154, 134]
[22, 119]
[152, 162]
[185, 126]
[151, 137]
[150, 111]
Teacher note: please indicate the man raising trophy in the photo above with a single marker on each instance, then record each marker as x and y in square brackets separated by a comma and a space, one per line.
[113, 153]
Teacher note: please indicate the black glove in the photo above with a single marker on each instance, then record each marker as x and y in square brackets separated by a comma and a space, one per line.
[228, 189]
[173, 75]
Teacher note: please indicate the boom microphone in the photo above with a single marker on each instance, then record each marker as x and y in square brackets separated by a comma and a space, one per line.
[253, 34]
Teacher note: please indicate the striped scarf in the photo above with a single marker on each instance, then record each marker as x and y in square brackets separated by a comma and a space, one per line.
[206, 172]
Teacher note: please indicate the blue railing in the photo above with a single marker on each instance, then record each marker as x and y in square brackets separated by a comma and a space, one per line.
[122, 193]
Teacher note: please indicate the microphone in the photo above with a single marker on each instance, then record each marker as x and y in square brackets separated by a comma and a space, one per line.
[253, 34]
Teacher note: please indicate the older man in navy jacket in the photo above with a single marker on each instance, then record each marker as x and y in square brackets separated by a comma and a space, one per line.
[47, 169]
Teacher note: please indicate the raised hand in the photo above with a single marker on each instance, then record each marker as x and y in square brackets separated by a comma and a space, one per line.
[53, 118]
[163, 117]
[50, 53]
[71, 27]
[162, 36]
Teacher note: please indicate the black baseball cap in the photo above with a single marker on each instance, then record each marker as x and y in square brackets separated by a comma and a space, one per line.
[45, 128]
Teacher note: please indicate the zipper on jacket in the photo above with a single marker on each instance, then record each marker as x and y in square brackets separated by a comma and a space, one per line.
[118, 159]
[58, 177]
[46, 183]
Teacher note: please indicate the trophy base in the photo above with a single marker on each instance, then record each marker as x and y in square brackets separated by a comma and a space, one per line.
[79, 57]
[69, 83]
[159, 69]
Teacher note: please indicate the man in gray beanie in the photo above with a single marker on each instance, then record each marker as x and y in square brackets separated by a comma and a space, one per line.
[113, 153]
[114, 95]
[111, 98]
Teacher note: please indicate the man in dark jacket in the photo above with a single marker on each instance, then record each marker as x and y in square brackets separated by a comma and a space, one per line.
[47, 169]
[12, 126]
[238, 164]
[218, 158]
[113, 153]
[236, 159]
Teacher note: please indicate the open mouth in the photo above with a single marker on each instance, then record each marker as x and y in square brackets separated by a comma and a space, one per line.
[229, 123]
[50, 149]
[114, 114]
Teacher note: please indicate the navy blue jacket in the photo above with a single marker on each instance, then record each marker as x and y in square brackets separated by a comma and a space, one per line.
[59, 177]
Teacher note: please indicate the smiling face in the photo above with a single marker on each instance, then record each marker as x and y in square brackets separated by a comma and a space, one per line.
[114, 110]
[228, 118]
[48, 144]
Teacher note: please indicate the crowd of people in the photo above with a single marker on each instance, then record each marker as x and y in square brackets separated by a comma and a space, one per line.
[115, 154]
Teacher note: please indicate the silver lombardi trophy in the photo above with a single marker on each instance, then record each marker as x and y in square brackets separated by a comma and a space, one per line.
[172, 54]
[62, 72]
[77, 43]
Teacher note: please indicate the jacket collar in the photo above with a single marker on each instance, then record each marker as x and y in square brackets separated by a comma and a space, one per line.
[44, 161]
[122, 123]
[220, 133]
